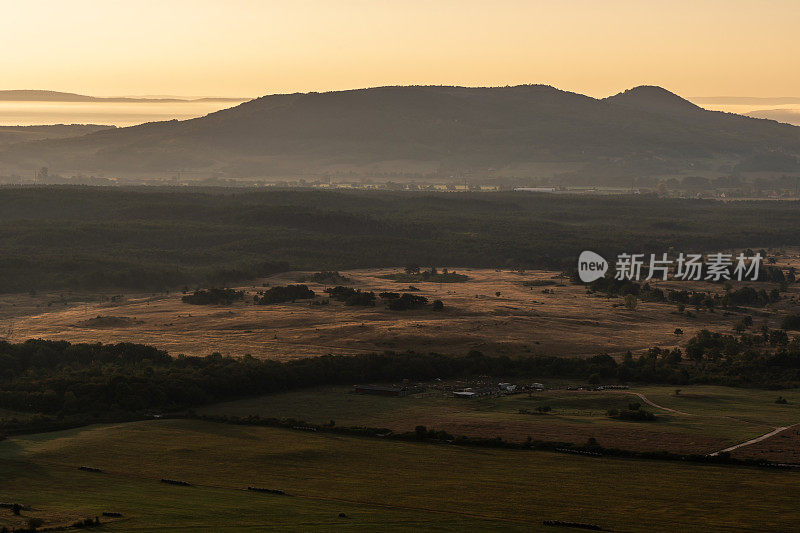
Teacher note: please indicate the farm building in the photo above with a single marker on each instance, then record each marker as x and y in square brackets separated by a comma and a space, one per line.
[382, 390]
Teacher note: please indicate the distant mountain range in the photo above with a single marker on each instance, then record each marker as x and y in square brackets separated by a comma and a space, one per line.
[747, 100]
[29, 95]
[526, 131]
[16, 134]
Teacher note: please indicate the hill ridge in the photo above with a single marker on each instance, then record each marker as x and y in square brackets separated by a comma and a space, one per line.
[642, 131]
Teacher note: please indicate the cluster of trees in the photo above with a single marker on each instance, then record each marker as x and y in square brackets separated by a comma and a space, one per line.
[398, 302]
[763, 359]
[351, 296]
[414, 273]
[730, 299]
[713, 346]
[748, 296]
[406, 301]
[213, 297]
[279, 294]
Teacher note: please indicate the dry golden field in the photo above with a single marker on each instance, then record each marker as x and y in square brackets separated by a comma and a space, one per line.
[520, 320]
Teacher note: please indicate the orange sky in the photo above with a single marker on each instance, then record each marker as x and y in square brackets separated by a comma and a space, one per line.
[252, 47]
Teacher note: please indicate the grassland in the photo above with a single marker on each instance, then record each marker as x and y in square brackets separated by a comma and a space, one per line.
[708, 419]
[377, 484]
[522, 320]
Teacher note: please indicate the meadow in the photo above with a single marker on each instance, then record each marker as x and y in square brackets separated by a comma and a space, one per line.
[705, 419]
[493, 312]
[374, 483]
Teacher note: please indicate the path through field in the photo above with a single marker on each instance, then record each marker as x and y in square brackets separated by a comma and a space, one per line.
[755, 440]
[653, 404]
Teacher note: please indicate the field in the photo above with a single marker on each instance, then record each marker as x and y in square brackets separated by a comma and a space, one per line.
[700, 419]
[388, 484]
[521, 320]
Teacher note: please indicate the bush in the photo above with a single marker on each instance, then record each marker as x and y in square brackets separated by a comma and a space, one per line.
[791, 322]
[407, 301]
[288, 293]
[431, 275]
[389, 295]
[351, 296]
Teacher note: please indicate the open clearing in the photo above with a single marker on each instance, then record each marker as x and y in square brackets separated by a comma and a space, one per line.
[520, 321]
[386, 484]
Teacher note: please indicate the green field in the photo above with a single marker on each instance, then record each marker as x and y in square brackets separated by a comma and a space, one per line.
[752, 405]
[722, 415]
[377, 484]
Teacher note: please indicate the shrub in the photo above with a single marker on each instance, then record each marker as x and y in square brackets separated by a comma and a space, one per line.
[431, 275]
[288, 293]
[389, 295]
[407, 301]
[351, 296]
[790, 322]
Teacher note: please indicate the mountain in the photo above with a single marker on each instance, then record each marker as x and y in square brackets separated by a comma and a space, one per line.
[35, 95]
[652, 98]
[789, 116]
[516, 130]
[17, 134]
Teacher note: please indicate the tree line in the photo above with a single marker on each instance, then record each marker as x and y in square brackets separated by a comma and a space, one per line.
[60, 378]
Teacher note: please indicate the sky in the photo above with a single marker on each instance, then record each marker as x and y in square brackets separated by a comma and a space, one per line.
[249, 48]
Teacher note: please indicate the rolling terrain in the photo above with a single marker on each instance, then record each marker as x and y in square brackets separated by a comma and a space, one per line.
[520, 320]
[372, 483]
[16, 134]
[700, 419]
